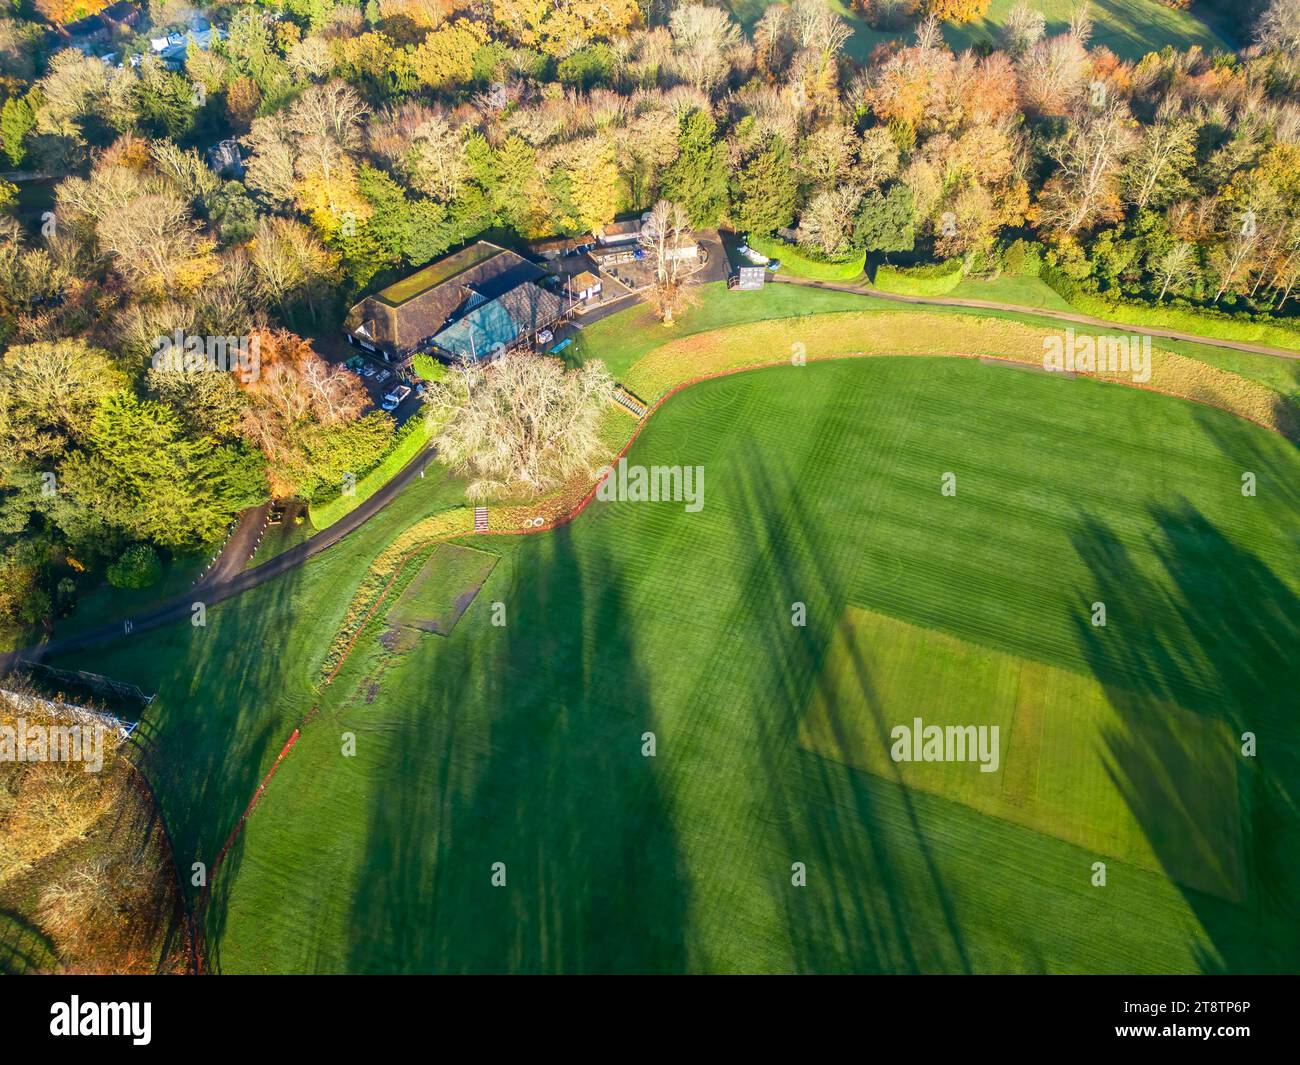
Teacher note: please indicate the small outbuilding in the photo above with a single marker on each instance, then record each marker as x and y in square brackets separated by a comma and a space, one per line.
[582, 287]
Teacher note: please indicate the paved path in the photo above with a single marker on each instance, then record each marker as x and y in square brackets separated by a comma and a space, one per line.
[232, 579]
[238, 549]
[1042, 312]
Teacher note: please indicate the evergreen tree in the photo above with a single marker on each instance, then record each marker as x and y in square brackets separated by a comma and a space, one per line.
[698, 178]
[16, 121]
[143, 478]
[766, 189]
[887, 221]
[516, 171]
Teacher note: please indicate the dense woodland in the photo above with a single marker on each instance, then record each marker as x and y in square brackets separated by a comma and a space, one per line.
[378, 137]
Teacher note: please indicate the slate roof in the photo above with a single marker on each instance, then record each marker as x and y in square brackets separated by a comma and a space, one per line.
[410, 313]
[122, 11]
[85, 27]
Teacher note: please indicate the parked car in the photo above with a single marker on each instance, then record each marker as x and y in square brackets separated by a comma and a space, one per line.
[277, 516]
[545, 336]
[395, 397]
[773, 265]
[384, 375]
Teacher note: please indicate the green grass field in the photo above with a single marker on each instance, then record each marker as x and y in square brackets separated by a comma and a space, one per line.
[1054, 772]
[523, 744]
[443, 589]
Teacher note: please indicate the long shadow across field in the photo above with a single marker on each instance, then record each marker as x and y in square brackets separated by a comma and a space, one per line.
[561, 795]
[225, 705]
[860, 913]
[1219, 637]
[596, 880]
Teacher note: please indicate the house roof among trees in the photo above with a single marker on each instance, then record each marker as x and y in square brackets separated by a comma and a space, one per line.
[85, 27]
[415, 309]
[121, 13]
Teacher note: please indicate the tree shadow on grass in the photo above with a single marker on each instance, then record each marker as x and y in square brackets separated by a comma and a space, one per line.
[226, 702]
[525, 749]
[1213, 631]
[876, 900]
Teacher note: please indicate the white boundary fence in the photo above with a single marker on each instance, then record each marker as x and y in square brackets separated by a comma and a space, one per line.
[78, 715]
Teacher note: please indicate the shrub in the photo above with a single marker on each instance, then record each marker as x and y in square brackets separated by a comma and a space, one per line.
[1023, 258]
[407, 442]
[429, 369]
[1200, 321]
[587, 67]
[138, 567]
[803, 262]
[933, 279]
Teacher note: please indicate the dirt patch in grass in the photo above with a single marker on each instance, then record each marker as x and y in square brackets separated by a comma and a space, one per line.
[443, 589]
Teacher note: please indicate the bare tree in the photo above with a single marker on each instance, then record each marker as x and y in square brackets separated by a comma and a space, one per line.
[310, 57]
[1286, 272]
[155, 242]
[1023, 28]
[1165, 155]
[291, 265]
[1279, 26]
[1242, 235]
[703, 40]
[819, 28]
[1084, 189]
[1177, 267]
[334, 111]
[666, 236]
[270, 166]
[827, 221]
[523, 422]
[1052, 72]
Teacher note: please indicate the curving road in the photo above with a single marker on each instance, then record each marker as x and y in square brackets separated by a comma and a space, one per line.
[227, 578]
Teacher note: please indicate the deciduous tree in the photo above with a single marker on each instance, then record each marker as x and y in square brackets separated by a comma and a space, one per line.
[522, 423]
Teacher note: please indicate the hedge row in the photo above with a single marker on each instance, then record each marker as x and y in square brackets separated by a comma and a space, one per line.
[1249, 329]
[802, 263]
[934, 279]
[409, 441]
